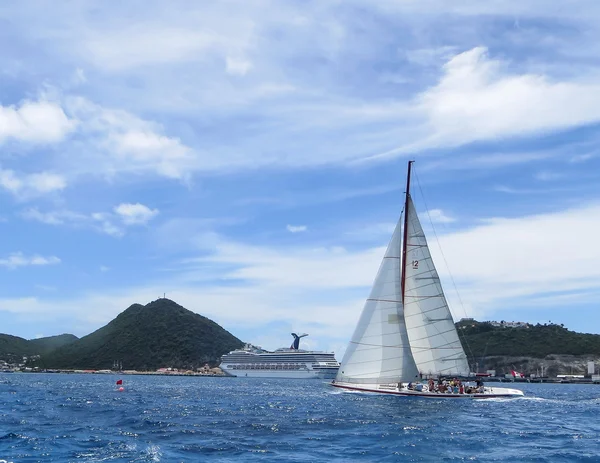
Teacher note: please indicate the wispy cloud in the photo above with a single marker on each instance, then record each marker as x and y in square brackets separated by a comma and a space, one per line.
[380, 231]
[123, 143]
[509, 258]
[18, 259]
[437, 216]
[296, 228]
[547, 176]
[53, 217]
[478, 99]
[135, 214]
[123, 215]
[27, 186]
[238, 67]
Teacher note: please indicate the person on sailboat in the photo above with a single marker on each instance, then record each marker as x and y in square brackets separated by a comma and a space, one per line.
[479, 385]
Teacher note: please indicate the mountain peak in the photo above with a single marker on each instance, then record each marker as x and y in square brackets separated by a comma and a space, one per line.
[159, 334]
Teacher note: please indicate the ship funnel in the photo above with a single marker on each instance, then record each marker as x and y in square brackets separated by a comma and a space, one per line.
[296, 342]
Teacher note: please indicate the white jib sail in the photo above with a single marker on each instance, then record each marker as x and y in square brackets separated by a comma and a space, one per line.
[379, 351]
[434, 340]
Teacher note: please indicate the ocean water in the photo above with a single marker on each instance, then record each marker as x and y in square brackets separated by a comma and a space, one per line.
[83, 418]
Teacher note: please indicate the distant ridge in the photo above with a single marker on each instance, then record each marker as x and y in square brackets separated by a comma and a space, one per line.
[48, 344]
[13, 347]
[528, 348]
[159, 334]
[484, 339]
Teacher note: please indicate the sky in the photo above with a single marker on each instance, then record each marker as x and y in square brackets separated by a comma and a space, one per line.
[248, 159]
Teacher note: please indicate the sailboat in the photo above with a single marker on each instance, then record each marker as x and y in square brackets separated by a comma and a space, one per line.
[406, 332]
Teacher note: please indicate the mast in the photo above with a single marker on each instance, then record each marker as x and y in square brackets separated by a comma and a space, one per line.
[405, 236]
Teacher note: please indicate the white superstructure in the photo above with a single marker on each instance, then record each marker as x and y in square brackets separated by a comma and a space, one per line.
[252, 361]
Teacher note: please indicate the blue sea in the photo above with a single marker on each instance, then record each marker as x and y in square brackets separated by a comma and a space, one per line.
[83, 418]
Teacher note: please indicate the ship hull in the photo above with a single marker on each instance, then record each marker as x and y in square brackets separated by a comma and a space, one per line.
[301, 374]
[489, 392]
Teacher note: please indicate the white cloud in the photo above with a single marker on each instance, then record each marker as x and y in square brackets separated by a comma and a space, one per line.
[109, 223]
[80, 76]
[31, 185]
[547, 176]
[148, 44]
[478, 99]
[18, 259]
[135, 214]
[239, 67]
[104, 268]
[53, 217]
[104, 223]
[582, 157]
[436, 216]
[166, 155]
[296, 228]
[46, 287]
[123, 142]
[46, 182]
[430, 56]
[37, 122]
[379, 232]
[512, 10]
[300, 267]
[525, 258]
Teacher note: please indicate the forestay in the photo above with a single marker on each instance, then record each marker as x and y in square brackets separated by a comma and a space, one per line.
[379, 351]
[434, 340]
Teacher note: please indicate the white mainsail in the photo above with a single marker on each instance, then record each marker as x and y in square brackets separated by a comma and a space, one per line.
[406, 329]
[434, 340]
[379, 351]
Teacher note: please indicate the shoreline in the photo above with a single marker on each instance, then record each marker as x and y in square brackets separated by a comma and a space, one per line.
[223, 375]
[120, 373]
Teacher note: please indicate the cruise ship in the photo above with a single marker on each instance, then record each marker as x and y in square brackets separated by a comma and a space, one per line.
[292, 362]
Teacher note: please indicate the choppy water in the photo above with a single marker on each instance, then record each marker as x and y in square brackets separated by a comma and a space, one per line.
[82, 418]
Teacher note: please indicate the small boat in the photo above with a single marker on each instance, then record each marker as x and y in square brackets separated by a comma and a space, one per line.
[406, 332]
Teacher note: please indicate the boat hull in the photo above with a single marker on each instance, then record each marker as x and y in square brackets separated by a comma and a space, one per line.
[489, 392]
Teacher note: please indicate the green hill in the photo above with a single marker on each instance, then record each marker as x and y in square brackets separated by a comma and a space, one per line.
[481, 339]
[14, 345]
[48, 344]
[14, 348]
[159, 334]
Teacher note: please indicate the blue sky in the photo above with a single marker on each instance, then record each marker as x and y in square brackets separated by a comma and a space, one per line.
[248, 159]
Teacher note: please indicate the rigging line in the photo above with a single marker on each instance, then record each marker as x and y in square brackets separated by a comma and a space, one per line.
[439, 246]
[445, 261]
[402, 347]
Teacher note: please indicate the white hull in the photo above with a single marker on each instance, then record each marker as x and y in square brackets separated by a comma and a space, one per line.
[294, 374]
[489, 392]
